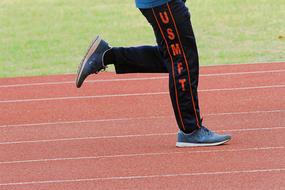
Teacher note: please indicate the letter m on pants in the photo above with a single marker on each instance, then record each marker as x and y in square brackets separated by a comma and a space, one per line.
[175, 49]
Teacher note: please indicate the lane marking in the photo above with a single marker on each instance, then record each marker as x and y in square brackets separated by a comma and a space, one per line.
[281, 62]
[130, 136]
[138, 78]
[83, 97]
[249, 112]
[135, 118]
[141, 177]
[86, 138]
[88, 81]
[141, 154]
[242, 73]
[134, 94]
[243, 88]
[85, 121]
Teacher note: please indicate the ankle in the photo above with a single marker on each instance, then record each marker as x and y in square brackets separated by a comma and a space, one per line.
[108, 57]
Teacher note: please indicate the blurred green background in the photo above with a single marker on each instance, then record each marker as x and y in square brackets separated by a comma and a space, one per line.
[41, 37]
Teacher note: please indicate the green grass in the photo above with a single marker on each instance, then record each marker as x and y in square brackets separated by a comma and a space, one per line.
[50, 36]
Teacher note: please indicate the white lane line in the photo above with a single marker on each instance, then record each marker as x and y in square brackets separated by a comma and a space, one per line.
[88, 81]
[131, 136]
[252, 129]
[242, 73]
[247, 64]
[135, 118]
[135, 94]
[142, 155]
[243, 88]
[281, 62]
[138, 79]
[245, 113]
[85, 121]
[83, 97]
[86, 138]
[142, 177]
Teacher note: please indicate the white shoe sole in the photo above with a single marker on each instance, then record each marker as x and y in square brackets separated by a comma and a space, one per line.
[184, 144]
[95, 43]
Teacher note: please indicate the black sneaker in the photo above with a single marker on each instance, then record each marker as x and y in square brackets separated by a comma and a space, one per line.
[92, 61]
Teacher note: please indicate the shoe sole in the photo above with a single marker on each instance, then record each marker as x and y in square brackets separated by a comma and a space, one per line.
[183, 144]
[95, 43]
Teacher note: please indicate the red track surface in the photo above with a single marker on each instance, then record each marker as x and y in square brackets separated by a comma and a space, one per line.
[118, 132]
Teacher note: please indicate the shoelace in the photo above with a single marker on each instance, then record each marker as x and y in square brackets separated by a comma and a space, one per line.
[206, 131]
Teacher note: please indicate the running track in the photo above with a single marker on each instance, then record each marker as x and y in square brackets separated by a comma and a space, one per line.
[118, 132]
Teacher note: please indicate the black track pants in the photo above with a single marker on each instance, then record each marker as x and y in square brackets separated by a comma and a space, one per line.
[176, 54]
